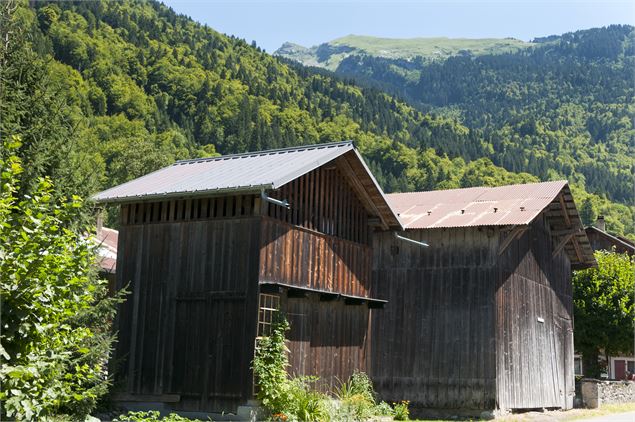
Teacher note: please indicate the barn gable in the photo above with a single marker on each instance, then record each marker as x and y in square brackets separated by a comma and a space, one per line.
[514, 206]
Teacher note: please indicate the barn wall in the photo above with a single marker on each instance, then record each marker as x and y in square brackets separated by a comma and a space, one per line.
[300, 257]
[321, 243]
[188, 326]
[322, 200]
[327, 338]
[601, 242]
[434, 341]
[534, 358]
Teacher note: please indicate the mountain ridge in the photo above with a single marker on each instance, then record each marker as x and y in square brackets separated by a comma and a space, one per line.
[330, 54]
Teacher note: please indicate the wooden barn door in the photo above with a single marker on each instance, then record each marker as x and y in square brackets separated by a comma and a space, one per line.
[211, 349]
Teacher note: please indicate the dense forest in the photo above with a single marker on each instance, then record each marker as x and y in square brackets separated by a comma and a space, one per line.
[561, 107]
[136, 86]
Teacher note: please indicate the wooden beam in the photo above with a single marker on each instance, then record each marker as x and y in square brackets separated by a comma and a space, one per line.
[360, 190]
[515, 232]
[565, 213]
[578, 252]
[562, 244]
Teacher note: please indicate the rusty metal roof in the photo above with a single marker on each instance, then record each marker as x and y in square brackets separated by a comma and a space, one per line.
[228, 173]
[479, 206]
[513, 205]
[106, 240]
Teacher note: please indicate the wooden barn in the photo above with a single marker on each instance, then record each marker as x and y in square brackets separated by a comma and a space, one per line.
[601, 240]
[212, 247]
[481, 319]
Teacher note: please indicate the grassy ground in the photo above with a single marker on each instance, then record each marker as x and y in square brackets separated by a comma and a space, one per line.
[429, 47]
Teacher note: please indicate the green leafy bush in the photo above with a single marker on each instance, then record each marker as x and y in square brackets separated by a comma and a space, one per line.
[285, 398]
[401, 412]
[357, 397]
[297, 399]
[151, 416]
[305, 403]
[270, 368]
[55, 311]
[604, 309]
[384, 409]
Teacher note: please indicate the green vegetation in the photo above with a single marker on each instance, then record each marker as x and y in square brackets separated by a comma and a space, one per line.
[56, 315]
[141, 87]
[604, 309]
[559, 108]
[137, 86]
[55, 311]
[401, 411]
[297, 398]
[329, 55]
[151, 416]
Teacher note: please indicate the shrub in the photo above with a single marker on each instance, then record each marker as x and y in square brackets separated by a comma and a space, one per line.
[401, 411]
[55, 311]
[151, 416]
[384, 409]
[357, 397]
[285, 398]
[270, 368]
[305, 403]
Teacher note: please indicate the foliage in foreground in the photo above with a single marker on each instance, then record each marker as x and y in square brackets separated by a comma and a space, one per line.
[55, 311]
[297, 399]
[151, 416]
[604, 308]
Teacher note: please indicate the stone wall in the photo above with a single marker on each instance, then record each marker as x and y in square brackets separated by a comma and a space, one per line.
[596, 393]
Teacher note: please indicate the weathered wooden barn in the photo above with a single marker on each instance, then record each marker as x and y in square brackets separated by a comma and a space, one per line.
[601, 240]
[482, 318]
[212, 247]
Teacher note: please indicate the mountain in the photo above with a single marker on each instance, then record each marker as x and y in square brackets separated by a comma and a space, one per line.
[561, 105]
[128, 87]
[329, 55]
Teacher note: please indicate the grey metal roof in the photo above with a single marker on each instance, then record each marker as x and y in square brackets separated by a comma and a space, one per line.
[228, 173]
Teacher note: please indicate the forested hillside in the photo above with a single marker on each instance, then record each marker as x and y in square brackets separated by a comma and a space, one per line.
[136, 86]
[561, 108]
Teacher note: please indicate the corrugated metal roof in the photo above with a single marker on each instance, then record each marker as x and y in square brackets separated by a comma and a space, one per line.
[480, 206]
[239, 172]
[106, 240]
[499, 206]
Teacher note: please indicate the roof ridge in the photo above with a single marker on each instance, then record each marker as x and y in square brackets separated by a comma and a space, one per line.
[479, 187]
[265, 152]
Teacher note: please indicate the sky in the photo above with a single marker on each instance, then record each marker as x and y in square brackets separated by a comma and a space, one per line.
[308, 23]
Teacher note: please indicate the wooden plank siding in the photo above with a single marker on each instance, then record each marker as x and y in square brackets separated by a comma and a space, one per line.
[327, 338]
[467, 328]
[194, 265]
[322, 243]
[433, 343]
[295, 256]
[324, 201]
[534, 358]
[188, 327]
